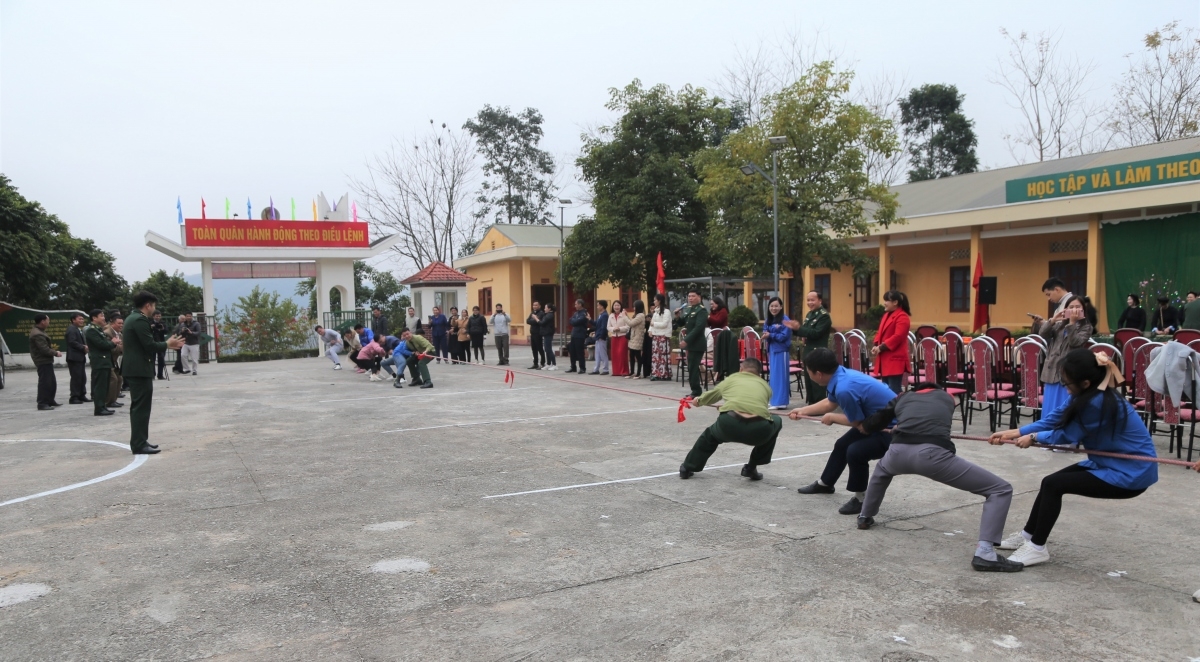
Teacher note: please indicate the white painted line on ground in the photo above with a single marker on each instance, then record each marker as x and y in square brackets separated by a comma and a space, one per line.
[430, 395]
[516, 420]
[630, 480]
[138, 460]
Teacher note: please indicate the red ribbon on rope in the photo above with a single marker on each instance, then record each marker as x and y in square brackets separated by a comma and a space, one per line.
[510, 378]
[684, 403]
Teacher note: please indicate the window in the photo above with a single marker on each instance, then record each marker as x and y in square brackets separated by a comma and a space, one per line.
[485, 300]
[821, 286]
[1073, 273]
[960, 289]
[628, 296]
[863, 299]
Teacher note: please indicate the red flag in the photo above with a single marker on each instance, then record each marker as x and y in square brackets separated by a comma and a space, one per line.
[981, 310]
[202, 208]
[662, 276]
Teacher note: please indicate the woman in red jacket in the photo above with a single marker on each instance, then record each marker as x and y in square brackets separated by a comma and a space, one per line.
[891, 341]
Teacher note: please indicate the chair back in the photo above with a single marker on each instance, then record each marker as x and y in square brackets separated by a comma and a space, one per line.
[751, 344]
[1036, 338]
[1127, 351]
[1113, 353]
[1122, 336]
[927, 331]
[856, 351]
[1194, 345]
[927, 350]
[998, 333]
[954, 329]
[982, 355]
[1186, 336]
[954, 355]
[838, 342]
[1029, 356]
[1141, 360]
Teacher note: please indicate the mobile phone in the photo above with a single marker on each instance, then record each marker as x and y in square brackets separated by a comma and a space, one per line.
[1033, 316]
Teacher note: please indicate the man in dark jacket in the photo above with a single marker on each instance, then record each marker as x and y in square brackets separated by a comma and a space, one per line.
[159, 330]
[43, 352]
[138, 369]
[547, 324]
[379, 323]
[77, 359]
[534, 322]
[1165, 319]
[100, 354]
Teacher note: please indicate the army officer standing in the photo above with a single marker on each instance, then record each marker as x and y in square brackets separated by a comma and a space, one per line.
[138, 369]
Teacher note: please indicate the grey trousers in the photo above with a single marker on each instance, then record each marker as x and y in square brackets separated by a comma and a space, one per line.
[602, 355]
[502, 347]
[937, 463]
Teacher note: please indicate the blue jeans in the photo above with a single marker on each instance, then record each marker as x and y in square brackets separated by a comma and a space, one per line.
[389, 362]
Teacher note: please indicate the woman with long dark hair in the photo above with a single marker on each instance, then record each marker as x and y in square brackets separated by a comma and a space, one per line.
[452, 344]
[1097, 418]
[1134, 316]
[637, 339]
[1068, 330]
[718, 314]
[618, 334]
[890, 347]
[660, 340]
[779, 352]
[548, 332]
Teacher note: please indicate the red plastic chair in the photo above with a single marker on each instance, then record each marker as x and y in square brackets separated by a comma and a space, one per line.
[927, 331]
[1122, 336]
[955, 357]
[1186, 336]
[984, 394]
[1127, 352]
[838, 345]
[1143, 397]
[1029, 356]
[955, 329]
[856, 358]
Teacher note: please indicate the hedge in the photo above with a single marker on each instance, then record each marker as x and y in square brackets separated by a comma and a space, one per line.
[244, 357]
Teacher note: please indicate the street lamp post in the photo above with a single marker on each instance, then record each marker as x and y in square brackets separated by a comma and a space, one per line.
[562, 288]
[751, 168]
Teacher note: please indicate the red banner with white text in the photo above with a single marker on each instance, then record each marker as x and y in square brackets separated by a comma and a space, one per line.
[275, 234]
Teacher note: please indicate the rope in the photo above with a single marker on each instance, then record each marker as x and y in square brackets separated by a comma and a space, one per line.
[687, 402]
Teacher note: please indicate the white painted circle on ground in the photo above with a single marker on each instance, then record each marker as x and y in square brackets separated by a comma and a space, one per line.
[388, 526]
[17, 593]
[138, 460]
[395, 566]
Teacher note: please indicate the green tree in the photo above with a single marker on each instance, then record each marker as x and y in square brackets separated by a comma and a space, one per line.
[43, 266]
[825, 195]
[941, 139]
[175, 294]
[263, 322]
[644, 183]
[518, 187]
[372, 287]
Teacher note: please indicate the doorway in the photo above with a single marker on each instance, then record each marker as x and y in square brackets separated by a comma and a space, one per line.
[862, 300]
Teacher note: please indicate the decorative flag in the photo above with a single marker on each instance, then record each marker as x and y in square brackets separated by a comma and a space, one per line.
[179, 208]
[226, 207]
[202, 207]
[662, 276]
[293, 209]
[314, 210]
[354, 210]
[271, 205]
[981, 310]
[249, 211]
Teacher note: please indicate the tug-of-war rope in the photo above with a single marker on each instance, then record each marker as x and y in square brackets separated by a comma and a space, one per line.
[685, 403]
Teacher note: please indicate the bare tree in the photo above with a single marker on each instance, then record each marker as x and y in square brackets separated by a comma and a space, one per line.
[881, 95]
[1050, 91]
[768, 68]
[1158, 98]
[421, 189]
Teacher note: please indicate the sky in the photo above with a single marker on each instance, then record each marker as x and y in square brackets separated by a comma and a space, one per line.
[110, 111]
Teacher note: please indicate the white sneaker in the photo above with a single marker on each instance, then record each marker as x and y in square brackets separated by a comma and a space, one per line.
[1027, 555]
[1013, 541]
[337, 366]
[375, 377]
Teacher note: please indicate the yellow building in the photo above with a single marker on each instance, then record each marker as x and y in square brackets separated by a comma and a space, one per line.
[1029, 223]
[515, 265]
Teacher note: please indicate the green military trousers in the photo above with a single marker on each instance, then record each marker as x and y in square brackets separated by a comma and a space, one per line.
[694, 359]
[141, 396]
[100, 377]
[760, 433]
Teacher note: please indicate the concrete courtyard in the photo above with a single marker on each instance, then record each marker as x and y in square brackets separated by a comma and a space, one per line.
[298, 513]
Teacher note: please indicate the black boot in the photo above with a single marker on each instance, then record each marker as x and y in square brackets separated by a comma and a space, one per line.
[748, 471]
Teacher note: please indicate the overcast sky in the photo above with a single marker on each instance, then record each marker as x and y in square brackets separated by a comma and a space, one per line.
[108, 111]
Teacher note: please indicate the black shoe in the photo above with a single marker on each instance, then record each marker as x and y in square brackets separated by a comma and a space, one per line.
[865, 523]
[571, 370]
[851, 507]
[74, 401]
[104, 412]
[748, 471]
[85, 399]
[427, 385]
[533, 367]
[685, 473]
[147, 450]
[117, 404]
[150, 445]
[1001, 564]
[415, 382]
[55, 403]
[816, 488]
[121, 394]
[399, 383]
[45, 407]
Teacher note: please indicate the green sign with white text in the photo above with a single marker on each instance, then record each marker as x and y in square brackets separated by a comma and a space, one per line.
[15, 323]
[1169, 170]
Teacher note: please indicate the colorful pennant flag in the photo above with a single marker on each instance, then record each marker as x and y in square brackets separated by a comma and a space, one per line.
[293, 209]
[179, 208]
[202, 207]
[226, 207]
[354, 208]
[249, 211]
[274, 215]
[314, 210]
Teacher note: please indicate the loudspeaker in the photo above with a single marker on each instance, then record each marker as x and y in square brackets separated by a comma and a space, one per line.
[987, 290]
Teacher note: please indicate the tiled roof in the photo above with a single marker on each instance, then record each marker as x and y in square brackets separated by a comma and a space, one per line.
[436, 273]
[532, 235]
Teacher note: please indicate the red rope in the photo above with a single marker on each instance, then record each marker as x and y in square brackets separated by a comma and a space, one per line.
[687, 403]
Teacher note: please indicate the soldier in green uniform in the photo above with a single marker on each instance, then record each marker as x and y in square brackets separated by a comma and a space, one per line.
[100, 354]
[138, 369]
[695, 320]
[418, 363]
[815, 332]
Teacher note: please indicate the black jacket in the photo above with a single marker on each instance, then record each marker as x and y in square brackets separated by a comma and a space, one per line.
[477, 325]
[158, 330]
[580, 324]
[76, 347]
[547, 323]
[379, 326]
[1132, 318]
[535, 324]
[1164, 318]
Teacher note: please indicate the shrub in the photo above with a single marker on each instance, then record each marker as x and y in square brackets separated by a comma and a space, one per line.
[873, 316]
[742, 316]
[245, 357]
[263, 323]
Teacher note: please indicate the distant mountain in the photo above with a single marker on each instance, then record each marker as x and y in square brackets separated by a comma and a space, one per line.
[227, 291]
